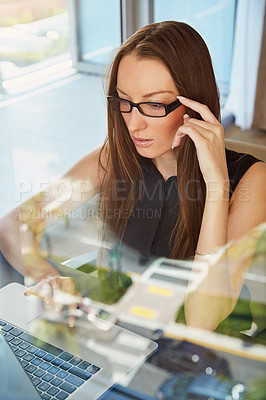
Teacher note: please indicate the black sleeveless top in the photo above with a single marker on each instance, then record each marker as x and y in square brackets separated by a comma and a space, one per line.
[153, 219]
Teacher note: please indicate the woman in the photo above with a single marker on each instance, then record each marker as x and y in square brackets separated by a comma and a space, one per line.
[165, 152]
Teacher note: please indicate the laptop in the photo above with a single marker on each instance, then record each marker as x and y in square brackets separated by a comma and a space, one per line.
[42, 358]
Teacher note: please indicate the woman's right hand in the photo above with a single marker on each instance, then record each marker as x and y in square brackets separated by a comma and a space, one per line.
[57, 291]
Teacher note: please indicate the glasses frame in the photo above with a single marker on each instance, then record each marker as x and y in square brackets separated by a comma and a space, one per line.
[167, 107]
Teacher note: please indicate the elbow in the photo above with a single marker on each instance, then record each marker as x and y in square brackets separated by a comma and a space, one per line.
[201, 322]
[206, 315]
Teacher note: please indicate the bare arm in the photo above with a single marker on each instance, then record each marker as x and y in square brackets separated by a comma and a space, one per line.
[19, 227]
[213, 299]
[216, 296]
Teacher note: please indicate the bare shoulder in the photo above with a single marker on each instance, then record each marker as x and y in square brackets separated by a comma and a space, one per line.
[254, 179]
[248, 203]
[256, 173]
[90, 167]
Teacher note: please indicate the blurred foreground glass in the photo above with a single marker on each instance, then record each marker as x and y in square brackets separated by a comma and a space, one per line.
[148, 299]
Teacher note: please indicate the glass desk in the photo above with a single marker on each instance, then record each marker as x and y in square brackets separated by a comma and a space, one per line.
[147, 298]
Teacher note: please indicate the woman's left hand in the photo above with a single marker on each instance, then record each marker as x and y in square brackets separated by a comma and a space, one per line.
[208, 137]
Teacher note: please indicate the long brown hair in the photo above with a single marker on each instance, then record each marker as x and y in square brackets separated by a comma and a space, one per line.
[183, 51]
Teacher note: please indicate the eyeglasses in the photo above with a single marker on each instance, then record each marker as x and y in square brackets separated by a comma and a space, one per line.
[149, 109]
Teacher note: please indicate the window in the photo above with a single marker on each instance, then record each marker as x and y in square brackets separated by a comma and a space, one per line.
[214, 21]
[98, 33]
[33, 35]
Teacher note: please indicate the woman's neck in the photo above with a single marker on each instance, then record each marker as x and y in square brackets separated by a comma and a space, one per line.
[166, 164]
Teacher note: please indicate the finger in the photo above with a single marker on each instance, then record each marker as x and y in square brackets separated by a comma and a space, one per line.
[48, 302]
[214, 128]
[85, 304]
[42, 290]
[72, 315]
[192, 123]
[202, 109]
[177, 140]
[197, 134]
[194, 132]
[58, 309]
[178, 137]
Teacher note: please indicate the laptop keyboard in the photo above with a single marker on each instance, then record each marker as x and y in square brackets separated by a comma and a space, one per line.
[55, 373]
